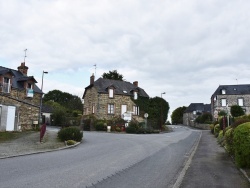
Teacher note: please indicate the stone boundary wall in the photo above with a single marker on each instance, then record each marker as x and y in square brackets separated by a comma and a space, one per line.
[201, 126]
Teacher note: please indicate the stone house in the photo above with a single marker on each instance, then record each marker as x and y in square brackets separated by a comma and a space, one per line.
[226, 96]
[19, 99]
[193, 111]
[106, 99]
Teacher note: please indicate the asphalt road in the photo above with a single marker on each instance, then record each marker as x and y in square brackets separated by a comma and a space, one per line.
[105, 160]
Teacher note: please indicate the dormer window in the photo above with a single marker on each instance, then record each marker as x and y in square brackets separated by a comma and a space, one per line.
[111, 93]
[135, 95]
[223, 91]
[29, 90]
[6, 85]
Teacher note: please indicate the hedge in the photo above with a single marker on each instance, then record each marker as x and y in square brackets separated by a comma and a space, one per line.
[241, 145]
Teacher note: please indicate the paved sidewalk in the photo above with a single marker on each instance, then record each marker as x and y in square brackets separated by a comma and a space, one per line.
[29, 143]
[212, 167]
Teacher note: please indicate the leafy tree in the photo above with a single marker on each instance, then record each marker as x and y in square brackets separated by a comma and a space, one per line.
[237, 111]
[157, 109]
[59, 113]
[113, 75]
[177, 115]
[67, 100]
[205, 117]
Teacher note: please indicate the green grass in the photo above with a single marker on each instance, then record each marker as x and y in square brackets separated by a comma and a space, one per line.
[6, 136]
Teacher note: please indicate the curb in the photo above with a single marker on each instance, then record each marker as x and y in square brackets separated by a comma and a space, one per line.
[245, 174]
[44, 151]
[187, 163]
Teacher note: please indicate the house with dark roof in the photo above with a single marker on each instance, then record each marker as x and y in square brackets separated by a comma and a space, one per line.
[193, 111]
[19, 99]
[106, 99]
[226, 96]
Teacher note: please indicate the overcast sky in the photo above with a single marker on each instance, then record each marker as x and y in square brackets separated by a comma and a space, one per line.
[186, 48]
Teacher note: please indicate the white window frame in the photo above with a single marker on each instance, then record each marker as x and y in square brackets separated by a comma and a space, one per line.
[6, 85]
[111, 109]
[136, 111]
[135, 95]
[224, 102]
[111, 93]
[93, 108]
[223, 92]
[240, 102]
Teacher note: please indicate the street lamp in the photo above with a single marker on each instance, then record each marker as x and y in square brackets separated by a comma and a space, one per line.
[161, 111]
[40, 111]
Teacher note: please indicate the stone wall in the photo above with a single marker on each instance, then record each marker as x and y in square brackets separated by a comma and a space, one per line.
[27, 109]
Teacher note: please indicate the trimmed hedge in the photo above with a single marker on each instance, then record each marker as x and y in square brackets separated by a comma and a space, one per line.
[70, 133]
[216, 130]
[241, 144]
[229, 141]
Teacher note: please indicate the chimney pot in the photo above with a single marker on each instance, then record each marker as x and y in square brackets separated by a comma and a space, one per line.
[135, 83]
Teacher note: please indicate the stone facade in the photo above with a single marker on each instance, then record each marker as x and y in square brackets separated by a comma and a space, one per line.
[108, 99]
[226, 96]
[22, 97]
[231, 100]
[97, 104]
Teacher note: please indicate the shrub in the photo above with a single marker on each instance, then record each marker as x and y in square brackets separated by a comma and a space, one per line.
[241, 144]
[220, 138]
[212, 128]
[239, 122]
[118, 129]
[70, 133]
[130, 129]
[99, 126]
[216, 130]
[229, 141]
[70, 142]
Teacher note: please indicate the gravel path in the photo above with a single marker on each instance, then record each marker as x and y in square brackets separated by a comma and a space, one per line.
[29, 142]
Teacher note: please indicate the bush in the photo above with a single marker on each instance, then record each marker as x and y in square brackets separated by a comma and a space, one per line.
[220, 138]
[241, 144]
[99, 126]
[118, 129]
[239, 122]
[70, 133]
[212, 128]
[130, 129]
[216, 130]
[229, 141]
[70, 142]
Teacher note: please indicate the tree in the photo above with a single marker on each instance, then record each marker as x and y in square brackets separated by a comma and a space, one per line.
[204, 118]
[236, 111]
[67, 100]
[59, 113]
[113, 75]
[177, 115]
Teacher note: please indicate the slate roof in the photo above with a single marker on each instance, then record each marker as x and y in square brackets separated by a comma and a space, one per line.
[120, 87]
[198, 107]
[241, 89]
[19, 78]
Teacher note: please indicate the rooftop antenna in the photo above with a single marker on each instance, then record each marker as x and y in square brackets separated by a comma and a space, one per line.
[236, 81]
[95, 69]
[25, 54]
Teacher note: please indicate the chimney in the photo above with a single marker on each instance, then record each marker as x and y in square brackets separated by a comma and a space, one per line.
[23, 69]
[92, 79]
[135, 83]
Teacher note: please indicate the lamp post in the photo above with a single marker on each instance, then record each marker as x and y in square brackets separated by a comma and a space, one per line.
[161, 112]
[40, 111]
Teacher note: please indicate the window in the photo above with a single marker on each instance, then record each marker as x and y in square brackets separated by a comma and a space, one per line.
[136, 110]
[223, 91]
[135, 95]
[240, 102]
[111, 93]
[111, 108]
[93, 108]
[223, 102]
[194, 112]
[6, 85]
[29, 90]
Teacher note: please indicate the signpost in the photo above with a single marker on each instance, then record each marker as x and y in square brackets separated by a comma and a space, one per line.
[146, 116]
